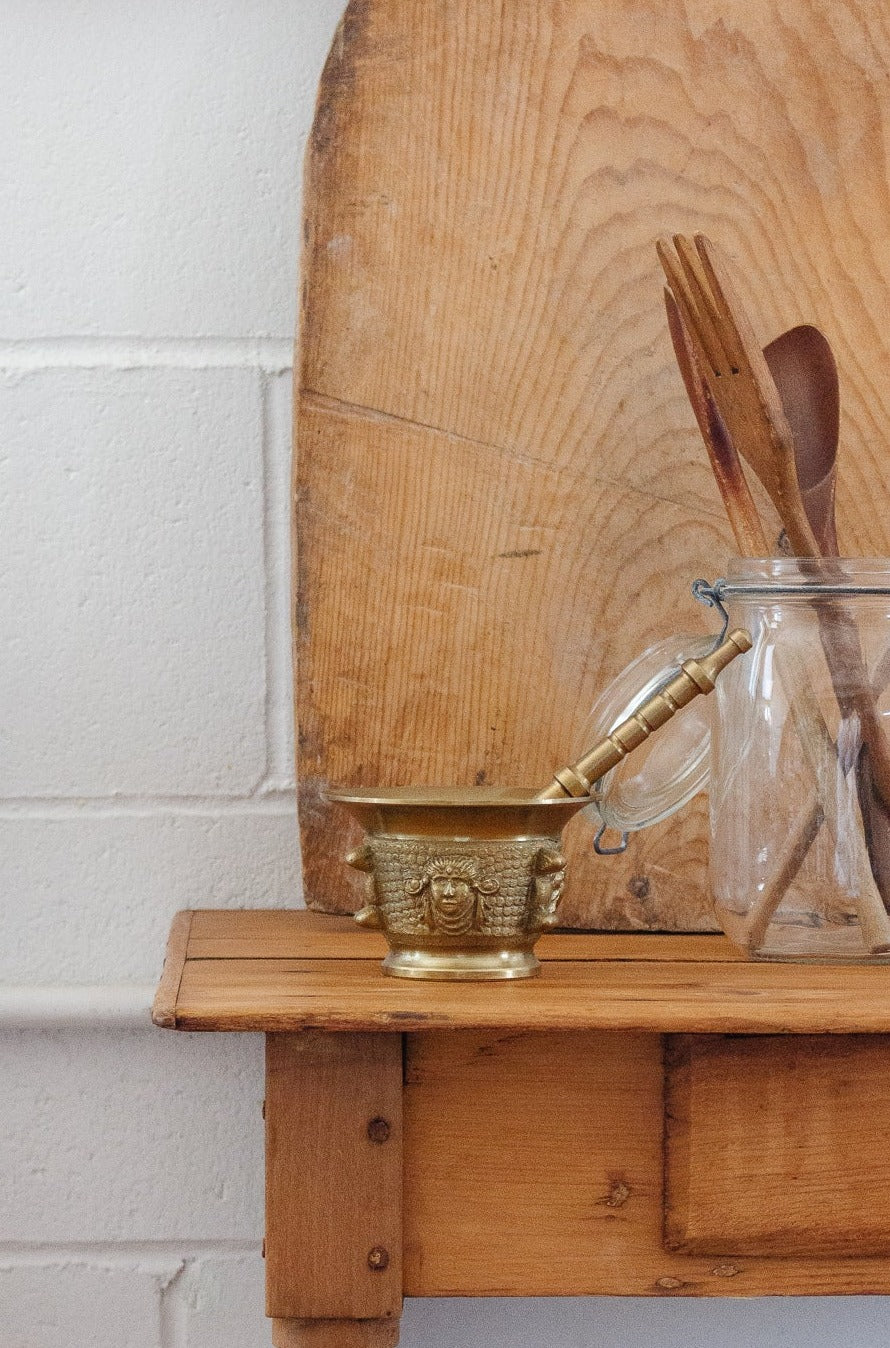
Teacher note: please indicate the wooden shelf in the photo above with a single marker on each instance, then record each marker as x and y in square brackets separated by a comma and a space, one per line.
[284, 971]
[654, 1115]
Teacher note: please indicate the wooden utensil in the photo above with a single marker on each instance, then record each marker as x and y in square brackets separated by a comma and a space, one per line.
[804, 371]
[735, 370]
[744, 391]
[803, 368]
[727, 470]
[802, 357]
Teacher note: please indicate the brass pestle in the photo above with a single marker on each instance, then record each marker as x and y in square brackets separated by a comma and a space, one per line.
[694, 677]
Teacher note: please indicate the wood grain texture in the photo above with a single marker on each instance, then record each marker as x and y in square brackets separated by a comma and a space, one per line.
[287, 933]
[287, 995]
[333, 1192]
[551, 1184]
[565, 1129]
[163, 1011]
[527, 1150]
[416, 671]
[730, 998]
[281, 971]
[280, 933]
[501, 497]
[777, 1146]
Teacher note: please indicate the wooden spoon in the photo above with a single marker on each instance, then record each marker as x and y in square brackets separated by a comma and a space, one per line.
[802, 364]
[803, 368]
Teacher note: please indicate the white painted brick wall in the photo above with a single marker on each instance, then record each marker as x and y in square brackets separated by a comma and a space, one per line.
[219, 1301]
[150, 170]
[131, 1137]
[141, 550]
[150, 216]
[149, 162]
[88, 894]
[75, 1301]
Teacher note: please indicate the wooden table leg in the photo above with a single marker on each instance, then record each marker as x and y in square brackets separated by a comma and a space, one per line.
[334, 1189]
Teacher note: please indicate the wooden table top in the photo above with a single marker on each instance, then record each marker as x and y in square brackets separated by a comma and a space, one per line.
[273, 970]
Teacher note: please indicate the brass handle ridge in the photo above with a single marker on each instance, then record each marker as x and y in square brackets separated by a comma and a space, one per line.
[694, 677]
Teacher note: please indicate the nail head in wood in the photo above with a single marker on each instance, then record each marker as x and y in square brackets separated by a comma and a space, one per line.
[378, 1258]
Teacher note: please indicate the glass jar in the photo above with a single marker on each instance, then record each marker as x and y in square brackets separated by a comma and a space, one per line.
[800, 762]
[794, 750]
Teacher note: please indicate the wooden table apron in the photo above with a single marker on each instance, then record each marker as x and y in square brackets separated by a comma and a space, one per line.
[652, 1116]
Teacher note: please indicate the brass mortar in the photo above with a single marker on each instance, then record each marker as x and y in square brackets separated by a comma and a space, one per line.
[463, 880]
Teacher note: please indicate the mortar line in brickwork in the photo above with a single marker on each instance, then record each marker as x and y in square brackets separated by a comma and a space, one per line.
[273, 355]
[173, 1310]
[276, 549]
[274, 801]
[164, 1253]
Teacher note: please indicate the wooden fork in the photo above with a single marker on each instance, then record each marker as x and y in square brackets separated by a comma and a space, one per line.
[737, 376]
[736, 495]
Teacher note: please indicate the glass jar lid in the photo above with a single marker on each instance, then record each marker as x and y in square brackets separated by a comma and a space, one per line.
[670, 767]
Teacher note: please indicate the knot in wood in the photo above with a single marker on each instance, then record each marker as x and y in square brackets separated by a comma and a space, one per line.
[619, 1193]
[379, 1130]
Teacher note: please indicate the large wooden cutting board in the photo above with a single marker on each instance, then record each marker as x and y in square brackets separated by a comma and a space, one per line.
[500, 496]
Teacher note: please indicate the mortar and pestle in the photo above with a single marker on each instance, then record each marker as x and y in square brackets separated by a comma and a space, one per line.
[463, 880]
